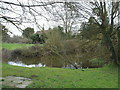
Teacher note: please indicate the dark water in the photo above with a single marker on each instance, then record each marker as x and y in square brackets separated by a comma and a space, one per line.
[49, 61]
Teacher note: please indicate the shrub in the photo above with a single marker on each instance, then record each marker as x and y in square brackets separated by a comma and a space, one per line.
[25, 40]
[71, 46]
[97, 62]
[33, 51]
[6, 55]
[36, 38]
[54, 41]
[18, 39]
[16, 53]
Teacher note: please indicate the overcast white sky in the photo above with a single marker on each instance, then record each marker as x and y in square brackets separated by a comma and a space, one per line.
[40, 19]
[42, 22]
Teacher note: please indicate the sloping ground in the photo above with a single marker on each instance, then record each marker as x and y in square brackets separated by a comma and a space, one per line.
[45, 77]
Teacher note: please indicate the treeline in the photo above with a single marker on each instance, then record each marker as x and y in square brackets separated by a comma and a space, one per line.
[29, 35]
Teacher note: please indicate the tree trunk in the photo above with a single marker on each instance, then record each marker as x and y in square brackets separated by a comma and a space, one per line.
[110, 46]
[114, 56]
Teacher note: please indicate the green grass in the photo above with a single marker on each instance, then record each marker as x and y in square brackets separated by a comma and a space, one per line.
[106, 77]
[12, 46]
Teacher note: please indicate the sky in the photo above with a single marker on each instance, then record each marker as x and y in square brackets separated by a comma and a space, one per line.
[40, 20]
[43, 22]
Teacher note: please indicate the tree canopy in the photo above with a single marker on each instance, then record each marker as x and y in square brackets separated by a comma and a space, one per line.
[28, 32]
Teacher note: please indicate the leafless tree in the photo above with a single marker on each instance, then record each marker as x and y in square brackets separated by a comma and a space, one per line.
[105, 15]
[20, 12]
[29, 11]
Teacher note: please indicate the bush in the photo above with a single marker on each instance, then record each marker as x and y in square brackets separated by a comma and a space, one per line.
[36, 38]
[33, 51]
[54, 41]
[71, 46]
[25, 40]
[6, 55]
[97, 62]
[18, 39]
[16, 53]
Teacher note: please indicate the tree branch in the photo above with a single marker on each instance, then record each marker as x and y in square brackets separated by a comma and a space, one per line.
[50, 3]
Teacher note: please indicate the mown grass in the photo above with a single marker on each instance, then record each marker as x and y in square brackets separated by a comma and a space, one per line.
[12, 46]
[44, 77]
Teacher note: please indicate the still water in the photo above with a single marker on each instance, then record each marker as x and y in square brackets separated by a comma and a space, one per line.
[51, 61]
[19, 63]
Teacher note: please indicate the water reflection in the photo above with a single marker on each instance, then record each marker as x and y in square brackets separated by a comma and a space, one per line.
[19, 63]
[49, 61]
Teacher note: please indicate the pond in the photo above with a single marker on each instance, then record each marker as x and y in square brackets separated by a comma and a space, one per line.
[19, 63]
[51, 61]
[27, 62]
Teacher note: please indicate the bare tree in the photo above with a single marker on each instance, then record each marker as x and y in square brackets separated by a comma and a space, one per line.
[20, 12]
[104, 14]
[29, 12]
[67, 14]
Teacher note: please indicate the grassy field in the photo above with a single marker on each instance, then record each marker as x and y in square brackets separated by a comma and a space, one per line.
[12, 46]
[106, 77]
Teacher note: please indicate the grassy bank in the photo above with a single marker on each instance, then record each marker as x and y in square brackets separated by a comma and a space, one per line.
[12, 46]
[106, 77]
